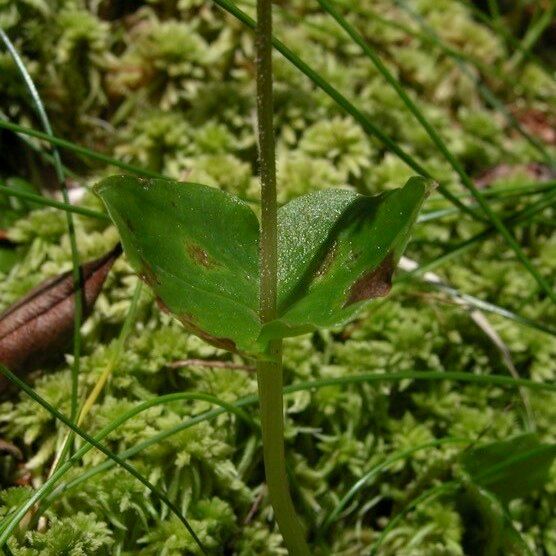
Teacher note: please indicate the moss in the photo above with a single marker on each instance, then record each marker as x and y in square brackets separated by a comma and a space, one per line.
[168, 85]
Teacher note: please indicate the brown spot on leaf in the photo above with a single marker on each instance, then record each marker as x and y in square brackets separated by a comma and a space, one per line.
[162, 306]
[191, 324]
[374, 283]
[148, 275]
[200, 256]
[40, 326]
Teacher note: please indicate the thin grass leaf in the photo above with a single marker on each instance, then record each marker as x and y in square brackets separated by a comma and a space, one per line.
[48, 487]
[532, 36]
[7, 527]
[542, 455]
[366, 124]
[482, 322]
[423, 37]
[107, 371]
[45, 201]
[482, 305]
[483, 90]
[77, 278]
[37, 148]
[72, 147]
[116, 354]
[516, 219]
[370, 377]
[376, 470]
[497, 25]
[429, 494]
[497, 194]
[494, 9]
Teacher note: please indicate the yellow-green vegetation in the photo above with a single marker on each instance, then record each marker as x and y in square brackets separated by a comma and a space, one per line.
[168, 87]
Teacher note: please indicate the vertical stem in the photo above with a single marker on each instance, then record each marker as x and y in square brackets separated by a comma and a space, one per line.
[265, 111]
[269, 373]
[270, 379]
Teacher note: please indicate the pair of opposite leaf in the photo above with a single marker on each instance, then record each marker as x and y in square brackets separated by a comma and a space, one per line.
[198, 249]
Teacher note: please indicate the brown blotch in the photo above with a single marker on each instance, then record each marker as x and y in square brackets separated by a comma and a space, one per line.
[200, 256]
[148, 275]
[375, 283]
[162, 306]
[223, 343]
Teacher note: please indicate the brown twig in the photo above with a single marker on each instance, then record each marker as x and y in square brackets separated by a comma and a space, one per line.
[208, 363]
[9, 448]
[256, 505]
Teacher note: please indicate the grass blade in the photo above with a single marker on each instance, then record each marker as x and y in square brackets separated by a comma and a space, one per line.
[77, 278]
[498, 194]
[429, 494]
[484, 91]
[520, 218]
[434, 376]
[376, 470]
[367, 125]
[499, 28]
[532, 36]
[124, 333]
[45, 201]
[70, 146]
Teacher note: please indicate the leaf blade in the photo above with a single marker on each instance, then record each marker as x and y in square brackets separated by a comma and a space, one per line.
[197, 248]
[337, 250]
[515, 466]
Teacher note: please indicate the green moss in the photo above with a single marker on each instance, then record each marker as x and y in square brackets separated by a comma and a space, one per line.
[168, 85]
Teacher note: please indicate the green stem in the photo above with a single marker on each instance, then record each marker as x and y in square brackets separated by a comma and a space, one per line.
[270, 378]
[269, 373]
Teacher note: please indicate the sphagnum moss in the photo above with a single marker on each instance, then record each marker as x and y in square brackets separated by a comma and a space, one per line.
[335, 430]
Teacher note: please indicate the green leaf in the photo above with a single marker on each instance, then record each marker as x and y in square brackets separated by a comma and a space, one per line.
[510, 468]
[483, 519]
[337, 251]
[197, 247]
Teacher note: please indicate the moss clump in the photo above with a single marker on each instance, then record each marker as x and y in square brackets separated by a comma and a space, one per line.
[169, 85]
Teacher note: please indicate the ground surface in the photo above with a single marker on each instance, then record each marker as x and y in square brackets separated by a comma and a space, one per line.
[168, 86]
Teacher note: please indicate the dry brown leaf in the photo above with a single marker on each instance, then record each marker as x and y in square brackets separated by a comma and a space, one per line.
[40, 326]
